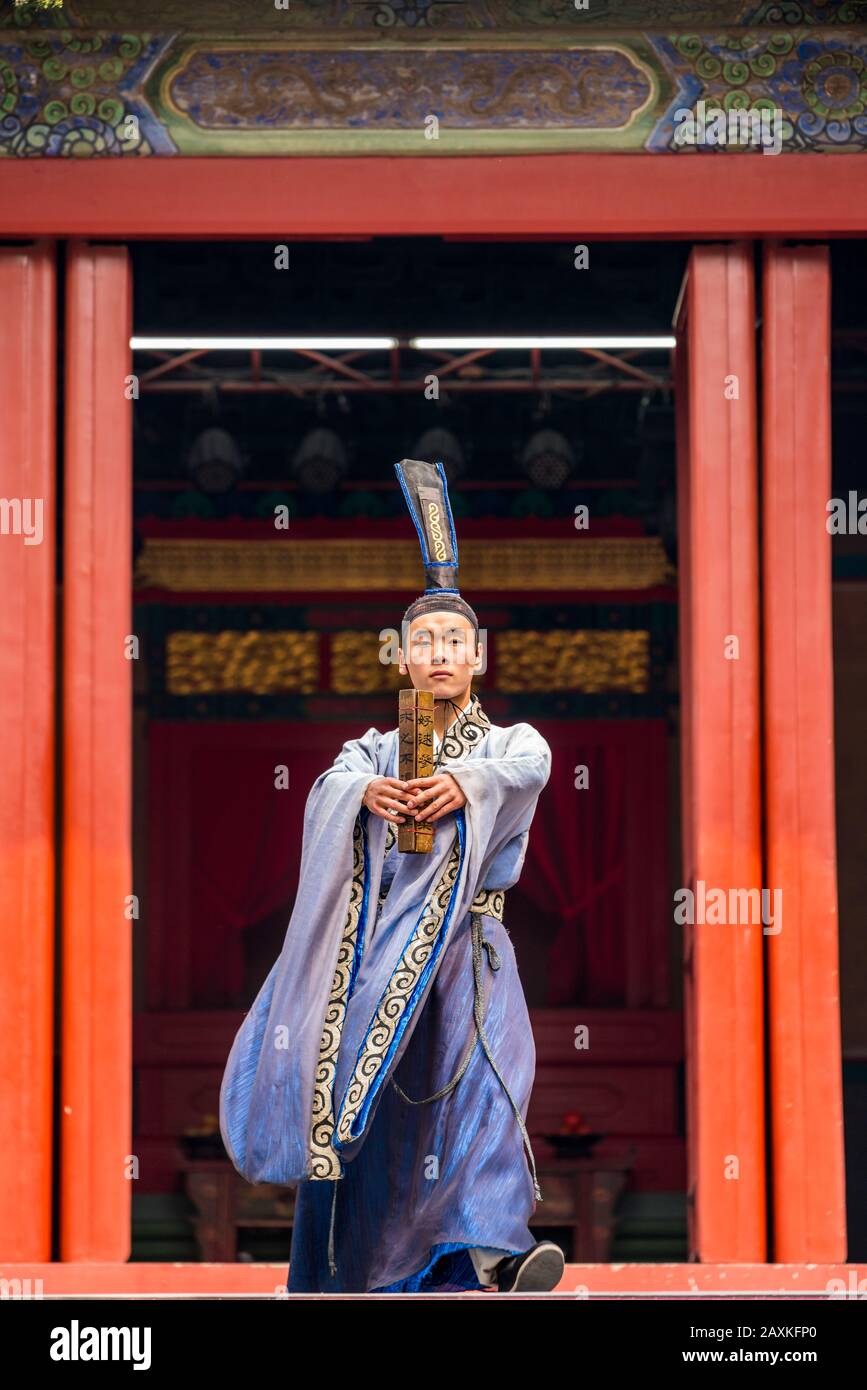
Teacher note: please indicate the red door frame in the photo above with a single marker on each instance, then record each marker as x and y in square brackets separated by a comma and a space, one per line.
[695, 197]
[631, 196]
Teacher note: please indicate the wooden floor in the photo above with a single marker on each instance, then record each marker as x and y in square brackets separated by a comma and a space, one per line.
[259, 1281]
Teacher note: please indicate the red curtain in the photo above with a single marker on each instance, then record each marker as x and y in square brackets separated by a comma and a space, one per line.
[597, 859]
[225, 846]
[225, 849]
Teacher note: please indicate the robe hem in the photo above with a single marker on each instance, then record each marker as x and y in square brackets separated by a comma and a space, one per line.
[414, 1283]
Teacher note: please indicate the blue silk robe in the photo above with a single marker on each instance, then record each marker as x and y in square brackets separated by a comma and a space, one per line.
[370, 991]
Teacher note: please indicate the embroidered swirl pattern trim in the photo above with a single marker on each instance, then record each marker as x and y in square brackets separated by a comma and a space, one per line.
[324, 1162]
[397, 998]
[489, 902]
[466, 733]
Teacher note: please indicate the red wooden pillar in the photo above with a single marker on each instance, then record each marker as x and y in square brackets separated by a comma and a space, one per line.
[806, 1102]
[719, 621]
[96, 1082]
[27, 687]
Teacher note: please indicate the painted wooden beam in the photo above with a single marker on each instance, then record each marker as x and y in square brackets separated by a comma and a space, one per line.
[96, 1070]
[806, 1100]
[27, 695]
[518, 196]
[718, 562]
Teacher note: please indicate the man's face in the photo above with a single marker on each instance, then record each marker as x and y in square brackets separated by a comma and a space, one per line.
[442, 654]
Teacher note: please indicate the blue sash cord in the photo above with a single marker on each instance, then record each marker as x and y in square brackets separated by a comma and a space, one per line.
[479, 943]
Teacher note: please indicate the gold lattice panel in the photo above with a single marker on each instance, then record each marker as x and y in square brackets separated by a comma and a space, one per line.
[257, 663]
[356, 668]
[276, 663]
[590, 661]
[240, 566]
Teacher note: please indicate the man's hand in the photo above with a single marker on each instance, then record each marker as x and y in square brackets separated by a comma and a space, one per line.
[386, 797]
[434, 797]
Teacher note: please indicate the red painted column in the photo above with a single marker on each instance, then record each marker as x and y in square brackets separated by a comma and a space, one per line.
[27, 689]
[806, 1100]
[96, 1079]
[718, 564]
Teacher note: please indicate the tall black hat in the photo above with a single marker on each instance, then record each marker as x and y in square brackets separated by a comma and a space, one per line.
[425, 489]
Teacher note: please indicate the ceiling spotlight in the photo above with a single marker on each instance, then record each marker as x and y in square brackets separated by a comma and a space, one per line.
[441, 445]
[548, 458]
[454, 344]
[214, 461]
[319, 462]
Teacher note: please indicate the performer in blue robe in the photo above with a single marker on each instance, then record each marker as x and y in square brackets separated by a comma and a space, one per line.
[386, 1064]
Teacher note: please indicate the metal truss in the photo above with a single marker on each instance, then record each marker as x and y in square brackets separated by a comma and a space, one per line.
[402, 369]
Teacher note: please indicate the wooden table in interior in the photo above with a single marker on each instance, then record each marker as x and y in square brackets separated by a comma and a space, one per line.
[224, 1202]
[582, 1193]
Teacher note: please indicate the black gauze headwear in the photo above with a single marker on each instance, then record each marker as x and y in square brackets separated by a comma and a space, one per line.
[425, 489]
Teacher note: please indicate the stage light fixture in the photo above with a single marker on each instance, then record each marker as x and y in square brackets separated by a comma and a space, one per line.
[214, 461]
[319, 462]
[442, 445]
[548, 458]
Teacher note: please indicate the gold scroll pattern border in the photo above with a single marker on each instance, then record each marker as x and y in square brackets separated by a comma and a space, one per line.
[589, 661]
[324, 1161]
[396, 999]
[242, 566]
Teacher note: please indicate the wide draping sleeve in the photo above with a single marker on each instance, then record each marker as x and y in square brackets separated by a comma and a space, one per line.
[268, 1111]
[502, 790]
[430, 894]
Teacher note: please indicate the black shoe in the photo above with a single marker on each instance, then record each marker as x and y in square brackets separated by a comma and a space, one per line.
[537, 1270]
